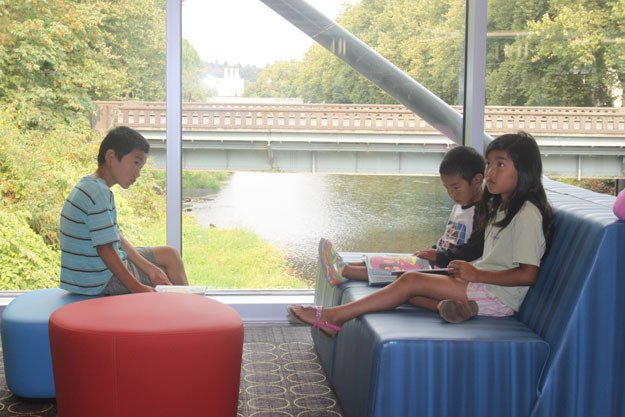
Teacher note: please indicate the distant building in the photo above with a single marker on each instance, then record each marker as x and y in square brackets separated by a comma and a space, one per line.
[231, 85]
[618, 93]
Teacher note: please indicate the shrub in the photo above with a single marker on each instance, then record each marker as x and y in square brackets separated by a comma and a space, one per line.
[38, 169]
[26, 262]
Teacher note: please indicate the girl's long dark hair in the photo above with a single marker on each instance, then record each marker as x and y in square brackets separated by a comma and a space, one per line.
[521, 147]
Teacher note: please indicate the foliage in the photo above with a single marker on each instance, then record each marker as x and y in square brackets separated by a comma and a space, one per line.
[26, 262]
[134, 30]
[539, 52]
[57, 56]
[38, 169]
[194, 179]
[572, 54]
[598, 185]
[422, 38]
[249, 72]
[51, 67]
[227, 258]
[193, 72]
[276, 80]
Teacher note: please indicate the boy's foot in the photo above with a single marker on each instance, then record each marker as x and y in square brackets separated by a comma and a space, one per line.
[331, 262]
[456, 311]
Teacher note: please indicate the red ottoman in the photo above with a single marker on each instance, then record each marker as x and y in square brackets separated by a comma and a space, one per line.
[150, 354]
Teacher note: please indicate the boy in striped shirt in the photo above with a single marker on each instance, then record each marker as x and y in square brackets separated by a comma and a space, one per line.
[96, 259]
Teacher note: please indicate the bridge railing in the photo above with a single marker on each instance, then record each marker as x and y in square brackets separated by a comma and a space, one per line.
[356, 118]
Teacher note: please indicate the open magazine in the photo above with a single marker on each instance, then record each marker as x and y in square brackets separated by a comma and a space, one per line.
[385, 267]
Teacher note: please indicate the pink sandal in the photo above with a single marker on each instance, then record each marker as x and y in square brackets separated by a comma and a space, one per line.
[325, 327]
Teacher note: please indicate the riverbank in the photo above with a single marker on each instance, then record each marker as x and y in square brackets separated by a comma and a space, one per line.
[598, 185]
[228, 258]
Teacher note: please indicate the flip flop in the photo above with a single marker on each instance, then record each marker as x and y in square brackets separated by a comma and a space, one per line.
[324, 327]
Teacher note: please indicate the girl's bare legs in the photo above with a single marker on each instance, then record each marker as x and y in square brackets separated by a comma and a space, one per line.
[423, 290]
[169, 260]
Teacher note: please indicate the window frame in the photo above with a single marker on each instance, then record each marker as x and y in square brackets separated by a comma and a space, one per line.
[474, 87]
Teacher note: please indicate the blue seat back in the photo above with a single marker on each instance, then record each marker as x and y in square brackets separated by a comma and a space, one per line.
[574, 305]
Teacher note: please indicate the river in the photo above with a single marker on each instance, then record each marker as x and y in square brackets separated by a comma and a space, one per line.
[358, 213]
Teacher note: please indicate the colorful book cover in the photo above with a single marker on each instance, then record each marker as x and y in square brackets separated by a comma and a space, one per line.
[384, 268]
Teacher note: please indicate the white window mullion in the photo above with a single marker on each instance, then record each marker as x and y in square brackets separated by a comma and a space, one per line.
[475, 74]
[173, 136]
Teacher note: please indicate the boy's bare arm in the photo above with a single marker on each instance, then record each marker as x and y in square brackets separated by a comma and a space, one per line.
[112, 260]
[154, 273]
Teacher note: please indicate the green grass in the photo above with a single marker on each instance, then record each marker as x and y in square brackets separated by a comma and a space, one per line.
[228, 258]
[206, 180]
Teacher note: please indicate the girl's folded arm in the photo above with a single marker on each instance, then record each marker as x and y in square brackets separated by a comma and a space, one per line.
[522, 275]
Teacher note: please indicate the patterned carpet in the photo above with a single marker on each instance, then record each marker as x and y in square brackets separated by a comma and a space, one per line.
[280, 377]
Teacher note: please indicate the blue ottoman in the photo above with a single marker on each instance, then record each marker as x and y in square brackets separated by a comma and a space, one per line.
[25, 342]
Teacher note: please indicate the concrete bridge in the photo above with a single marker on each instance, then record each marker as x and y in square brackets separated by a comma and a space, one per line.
[364, 138]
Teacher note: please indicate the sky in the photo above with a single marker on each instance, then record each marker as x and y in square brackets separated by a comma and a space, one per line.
[246, 31]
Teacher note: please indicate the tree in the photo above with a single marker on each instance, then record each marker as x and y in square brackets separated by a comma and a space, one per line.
[54, 60]
[193, 72]
[422, 38]
[134, 31]
[539, 52]
[57, 56]
[569, 56]
[276, 80]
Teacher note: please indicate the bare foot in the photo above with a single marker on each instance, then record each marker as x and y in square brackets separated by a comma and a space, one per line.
[313, 316]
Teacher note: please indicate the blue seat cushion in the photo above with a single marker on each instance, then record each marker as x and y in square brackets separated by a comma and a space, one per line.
[25, 341]
[409, 362]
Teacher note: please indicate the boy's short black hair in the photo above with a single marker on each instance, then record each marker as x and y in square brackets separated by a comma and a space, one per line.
[122, 140]
[463, 161]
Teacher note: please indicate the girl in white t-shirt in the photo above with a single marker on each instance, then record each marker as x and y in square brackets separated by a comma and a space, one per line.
[516, 219]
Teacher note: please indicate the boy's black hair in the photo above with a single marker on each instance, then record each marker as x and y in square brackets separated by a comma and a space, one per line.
[122, 140]
[463, 161]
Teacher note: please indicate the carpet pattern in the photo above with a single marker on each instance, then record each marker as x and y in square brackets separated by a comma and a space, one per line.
[280, 377]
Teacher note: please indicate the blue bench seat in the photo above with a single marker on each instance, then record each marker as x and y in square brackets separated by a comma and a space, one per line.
[561, 355]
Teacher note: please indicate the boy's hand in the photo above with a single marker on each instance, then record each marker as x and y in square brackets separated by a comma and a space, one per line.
[463, 270]
[143, 288]
[157, 276]
[429, 254]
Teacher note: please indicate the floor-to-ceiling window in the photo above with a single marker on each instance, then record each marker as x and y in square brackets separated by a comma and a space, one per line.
[285, 140]
[272, 116]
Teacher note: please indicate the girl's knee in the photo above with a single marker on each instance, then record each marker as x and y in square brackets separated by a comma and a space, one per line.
[409, 279]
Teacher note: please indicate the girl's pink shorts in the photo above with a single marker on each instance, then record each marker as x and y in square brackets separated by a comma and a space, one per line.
[487, 302]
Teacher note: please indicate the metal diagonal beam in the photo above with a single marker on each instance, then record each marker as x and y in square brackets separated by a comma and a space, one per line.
[372, 65]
